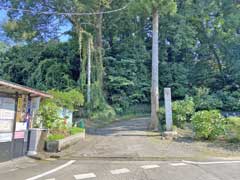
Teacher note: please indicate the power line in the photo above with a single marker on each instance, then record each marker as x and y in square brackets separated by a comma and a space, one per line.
[64, 13]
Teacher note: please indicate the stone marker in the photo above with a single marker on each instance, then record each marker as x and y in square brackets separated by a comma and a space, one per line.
[168, 108]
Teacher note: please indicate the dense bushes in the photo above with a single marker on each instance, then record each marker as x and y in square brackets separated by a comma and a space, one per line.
[222, 100]
[233, 129]
[204, 101]
[230, 100]
[182, 112]
[208, 124]
[106, 114]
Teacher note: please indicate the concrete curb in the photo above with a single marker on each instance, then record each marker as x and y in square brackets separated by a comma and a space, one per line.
[68, 141]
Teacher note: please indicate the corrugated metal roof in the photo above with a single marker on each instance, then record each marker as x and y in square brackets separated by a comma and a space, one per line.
[20, 88]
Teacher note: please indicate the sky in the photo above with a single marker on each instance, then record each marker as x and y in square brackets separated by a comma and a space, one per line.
[3, 18]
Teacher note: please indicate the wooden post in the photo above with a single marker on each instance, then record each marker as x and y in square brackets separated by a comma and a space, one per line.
[14, 126]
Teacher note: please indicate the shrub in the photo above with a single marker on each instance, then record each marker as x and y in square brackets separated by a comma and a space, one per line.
[106, 114]
[233, 129]
[76, 130]
[208, 124]
[48, 114]
[161, 116]
[161, 113]
[55, 137]
[50, 108]
[182, 111]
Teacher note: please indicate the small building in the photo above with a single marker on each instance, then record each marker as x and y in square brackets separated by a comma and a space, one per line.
[67, 115]
[18, 106]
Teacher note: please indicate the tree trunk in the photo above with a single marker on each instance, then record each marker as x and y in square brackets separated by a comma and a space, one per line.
[154, 90]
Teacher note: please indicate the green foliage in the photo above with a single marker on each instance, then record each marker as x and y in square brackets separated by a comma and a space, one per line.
[208, 124]
[71, 100]
[175, 76]
[3, 47]
[231, 100]
[76, 130]
[164, 6]
[43, 66]
[49, 115]
[106, 114]
[233, 129]
[204, 101]
[50, 108]
[182, 111]
[128, 76]
[162, 120]
[55, 137]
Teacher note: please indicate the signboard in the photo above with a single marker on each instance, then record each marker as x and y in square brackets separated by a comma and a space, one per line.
[5, 137]
[5, 125]
[7, 103]
[21, 126]
[7, 113]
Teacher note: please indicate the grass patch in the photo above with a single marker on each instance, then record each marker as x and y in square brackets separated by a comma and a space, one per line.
[55, 137]
[76, 130]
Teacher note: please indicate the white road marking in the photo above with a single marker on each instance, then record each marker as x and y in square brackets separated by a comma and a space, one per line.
[85, 176]
[178, 164]
[52, 171]
[51, 179]
[213, 162]
[150, 166]
[14, 169]
[120, 171]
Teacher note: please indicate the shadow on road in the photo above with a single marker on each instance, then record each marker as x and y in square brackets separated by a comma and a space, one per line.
[135, 127]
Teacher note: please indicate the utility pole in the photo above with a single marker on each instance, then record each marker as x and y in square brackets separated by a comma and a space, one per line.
[89, 72]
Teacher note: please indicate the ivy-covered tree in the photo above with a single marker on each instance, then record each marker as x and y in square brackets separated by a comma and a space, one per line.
[40, 21]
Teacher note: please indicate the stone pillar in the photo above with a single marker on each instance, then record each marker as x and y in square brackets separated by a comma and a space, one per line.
[168, 108]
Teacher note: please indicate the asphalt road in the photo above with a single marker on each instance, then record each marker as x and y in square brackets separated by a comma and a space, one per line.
[122, 170]
[126, 151]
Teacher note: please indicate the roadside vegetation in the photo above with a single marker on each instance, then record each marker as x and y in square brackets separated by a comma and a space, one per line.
[204, 119]
[50, 114]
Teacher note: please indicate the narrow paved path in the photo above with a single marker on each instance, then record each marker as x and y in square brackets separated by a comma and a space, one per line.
[124, 139]
[131, 140]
